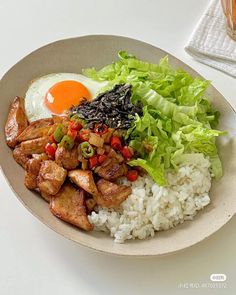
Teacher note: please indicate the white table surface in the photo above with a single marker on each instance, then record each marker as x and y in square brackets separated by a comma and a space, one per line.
[34, 259]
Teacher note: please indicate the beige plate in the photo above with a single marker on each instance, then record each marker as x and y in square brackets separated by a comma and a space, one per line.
[72, 55]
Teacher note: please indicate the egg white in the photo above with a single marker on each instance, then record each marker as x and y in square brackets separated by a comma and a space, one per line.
[34, 97]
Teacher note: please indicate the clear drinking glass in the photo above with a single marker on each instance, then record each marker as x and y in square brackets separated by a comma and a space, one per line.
[229, 8]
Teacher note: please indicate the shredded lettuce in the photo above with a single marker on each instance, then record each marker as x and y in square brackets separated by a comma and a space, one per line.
[178, 119]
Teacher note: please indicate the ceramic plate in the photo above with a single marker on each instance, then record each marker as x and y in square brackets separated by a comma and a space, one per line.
[72, 55]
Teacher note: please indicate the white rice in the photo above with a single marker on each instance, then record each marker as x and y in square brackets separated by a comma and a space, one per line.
[153, 208]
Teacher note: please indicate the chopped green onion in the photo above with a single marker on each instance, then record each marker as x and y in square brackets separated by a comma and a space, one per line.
[87, 149]
[58, 133]
[67, 142]
[77, 118]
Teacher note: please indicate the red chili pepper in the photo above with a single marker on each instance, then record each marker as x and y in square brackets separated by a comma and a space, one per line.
[75, 125]
[84, 135]
[127, 152]
[100, 128]
[102, 158]
[116, 143]
[52, 139]
[50, 149]
[72, 133]
[93, 161]
[132, 175]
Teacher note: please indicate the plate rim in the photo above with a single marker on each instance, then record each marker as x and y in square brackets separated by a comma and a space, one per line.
[81, 243]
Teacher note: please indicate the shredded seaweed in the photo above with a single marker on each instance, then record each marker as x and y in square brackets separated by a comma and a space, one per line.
[113, 108]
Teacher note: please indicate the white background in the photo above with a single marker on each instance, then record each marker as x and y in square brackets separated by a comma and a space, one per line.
[34, 259]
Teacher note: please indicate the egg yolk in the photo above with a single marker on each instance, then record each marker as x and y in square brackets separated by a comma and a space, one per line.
[65, 94]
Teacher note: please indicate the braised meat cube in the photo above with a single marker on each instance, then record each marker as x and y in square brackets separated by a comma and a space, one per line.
[60, 119]
[96, 140]
[84, 179]
[107, 136]
[51, 177]
[20, 157]
[90, 204]
[69, 205]
[34, 146]
[111, 169]
[67, 158]
[16, 121]
[36, 129]
[45, 196]
[32, 172]
[41, 157]
[111, 195]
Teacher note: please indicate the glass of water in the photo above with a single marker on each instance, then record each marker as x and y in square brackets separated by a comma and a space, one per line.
[229, 8]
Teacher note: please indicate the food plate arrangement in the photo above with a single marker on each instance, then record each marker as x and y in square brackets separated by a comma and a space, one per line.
[123, 140]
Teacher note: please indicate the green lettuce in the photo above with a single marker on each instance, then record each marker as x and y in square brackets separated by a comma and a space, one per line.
[178, 119]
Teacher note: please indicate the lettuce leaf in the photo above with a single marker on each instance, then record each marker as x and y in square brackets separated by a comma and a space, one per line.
[176, 126]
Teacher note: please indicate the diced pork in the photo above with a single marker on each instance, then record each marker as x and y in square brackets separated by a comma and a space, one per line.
[34, 146]
[16, 121]
[112, 169]
[111, 195]
[67, 158]
[20, 157]
[51, 177]
[69, 205]
[32, 172]
[84, 179]
[36, 129]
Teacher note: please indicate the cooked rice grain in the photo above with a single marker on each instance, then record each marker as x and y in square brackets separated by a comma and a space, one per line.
[152, 208]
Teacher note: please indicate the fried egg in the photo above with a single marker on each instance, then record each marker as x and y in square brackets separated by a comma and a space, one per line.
[57, 93]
